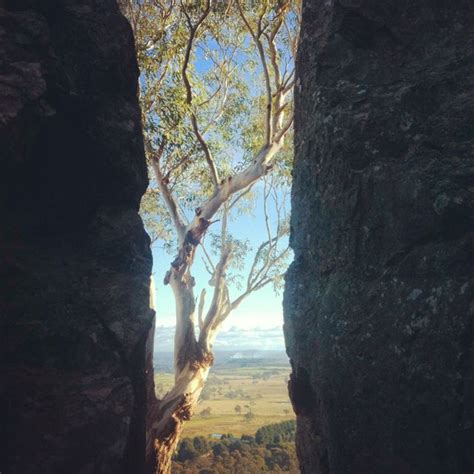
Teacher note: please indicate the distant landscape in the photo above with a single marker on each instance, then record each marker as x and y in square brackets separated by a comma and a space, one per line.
[244, 422]
[245, 391]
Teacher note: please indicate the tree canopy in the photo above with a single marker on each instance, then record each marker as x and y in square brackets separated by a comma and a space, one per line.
[216, 90]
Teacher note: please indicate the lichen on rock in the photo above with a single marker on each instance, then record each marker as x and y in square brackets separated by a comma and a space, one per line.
[378, 311]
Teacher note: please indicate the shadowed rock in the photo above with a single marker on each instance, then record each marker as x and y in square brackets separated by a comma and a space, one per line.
[74, 258]
[379, 299]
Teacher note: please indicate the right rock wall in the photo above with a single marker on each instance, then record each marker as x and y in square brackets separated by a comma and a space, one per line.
[379, 299]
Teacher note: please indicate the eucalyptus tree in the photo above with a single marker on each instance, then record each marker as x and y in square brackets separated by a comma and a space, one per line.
[216, 93]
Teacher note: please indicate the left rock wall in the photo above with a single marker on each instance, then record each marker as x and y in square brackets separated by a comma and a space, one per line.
[74, 257]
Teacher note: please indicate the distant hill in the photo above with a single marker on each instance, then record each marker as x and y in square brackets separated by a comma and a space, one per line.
[227, 359]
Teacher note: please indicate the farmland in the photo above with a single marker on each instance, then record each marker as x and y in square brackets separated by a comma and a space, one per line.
[238, 398]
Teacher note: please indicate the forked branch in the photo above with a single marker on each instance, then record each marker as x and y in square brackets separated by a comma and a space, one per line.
[193, 29]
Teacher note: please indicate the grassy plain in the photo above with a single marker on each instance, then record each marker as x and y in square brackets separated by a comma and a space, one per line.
[260, 391]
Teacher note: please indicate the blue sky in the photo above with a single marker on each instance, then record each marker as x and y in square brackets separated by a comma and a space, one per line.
[256, 323]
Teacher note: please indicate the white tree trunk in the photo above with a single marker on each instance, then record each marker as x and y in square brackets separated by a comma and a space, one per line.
[174, 409]
[192, 364]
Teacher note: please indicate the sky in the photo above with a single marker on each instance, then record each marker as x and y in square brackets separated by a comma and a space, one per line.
[256, 323]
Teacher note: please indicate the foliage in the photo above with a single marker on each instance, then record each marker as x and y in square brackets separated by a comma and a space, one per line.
[276, 433]
[249, 416]
[219, 449]
[229, 105]
[216, 95]
[244, 455]
[201, 444]
[186, 450]
[206, 412]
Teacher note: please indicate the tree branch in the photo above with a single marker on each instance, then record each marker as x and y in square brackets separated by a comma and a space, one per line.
[202, 300]
[261, 52]
[219, 308]
[189, 94]
[166, 193]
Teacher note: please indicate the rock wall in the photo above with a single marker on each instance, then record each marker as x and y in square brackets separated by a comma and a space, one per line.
[74, 257]
[379, 300]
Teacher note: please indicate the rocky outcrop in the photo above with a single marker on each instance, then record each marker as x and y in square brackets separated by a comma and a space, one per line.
[379, 300]
[74, 258]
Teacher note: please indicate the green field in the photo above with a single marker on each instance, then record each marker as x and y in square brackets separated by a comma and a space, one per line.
[260, 391]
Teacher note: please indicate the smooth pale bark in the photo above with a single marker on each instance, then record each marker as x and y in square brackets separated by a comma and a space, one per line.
[174, 409]
[193, 357]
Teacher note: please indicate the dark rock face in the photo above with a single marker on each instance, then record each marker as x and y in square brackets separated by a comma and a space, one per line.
[74, 257]
[379, 300]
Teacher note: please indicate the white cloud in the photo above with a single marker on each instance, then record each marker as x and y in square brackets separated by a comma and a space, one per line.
[233, 338]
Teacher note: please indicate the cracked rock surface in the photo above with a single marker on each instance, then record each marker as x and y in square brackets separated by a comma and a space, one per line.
[74, 257]
[379, 299]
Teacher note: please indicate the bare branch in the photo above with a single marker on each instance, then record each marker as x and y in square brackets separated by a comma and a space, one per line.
[219, 308]
[189, 94]
[261, 52]
[266, 193]
[214, 94]
[176, 166]
[193, 356]
[236, 303]
[202, 300]
[284, 129]
[166, 194]
[261, 248]
[241, 195]
[225, 215]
